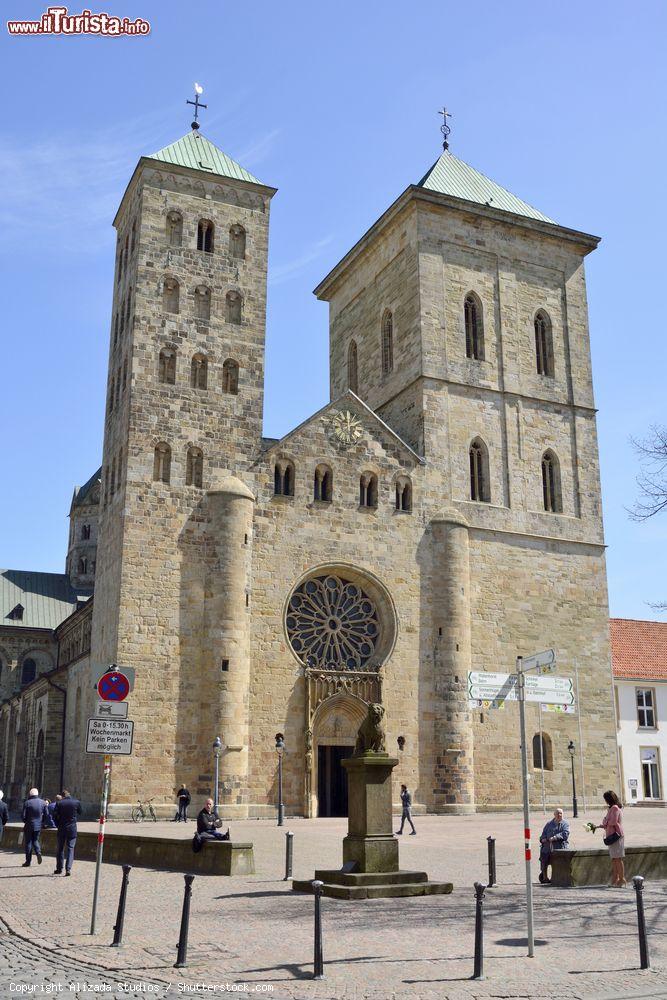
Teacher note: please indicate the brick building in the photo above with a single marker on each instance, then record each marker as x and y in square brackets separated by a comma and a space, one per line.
[441, 513]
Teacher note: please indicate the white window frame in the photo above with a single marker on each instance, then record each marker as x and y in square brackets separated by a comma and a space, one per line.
[643, 709]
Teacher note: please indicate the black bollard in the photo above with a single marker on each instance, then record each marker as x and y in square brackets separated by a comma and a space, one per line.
[318, 961]
[478, 972]
[120, 915]
[181, 958]
[644, 962]
[289, 854]
[491, 844]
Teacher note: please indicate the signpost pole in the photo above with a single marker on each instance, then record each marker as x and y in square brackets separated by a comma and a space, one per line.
[521, 692]
[544, 800]
[100, 837]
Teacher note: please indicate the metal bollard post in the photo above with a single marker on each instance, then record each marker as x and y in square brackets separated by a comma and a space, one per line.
[289, 854]
[644, 962]
[318, 961]
[120, 915]
[478, 972]
[181, 958]
[491, 846]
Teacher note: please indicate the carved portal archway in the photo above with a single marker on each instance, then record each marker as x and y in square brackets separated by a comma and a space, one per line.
[335, 722]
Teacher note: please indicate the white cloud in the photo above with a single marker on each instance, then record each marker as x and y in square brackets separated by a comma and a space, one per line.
[285, 272]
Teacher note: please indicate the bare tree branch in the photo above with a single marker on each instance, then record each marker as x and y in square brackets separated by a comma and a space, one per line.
[652, 482]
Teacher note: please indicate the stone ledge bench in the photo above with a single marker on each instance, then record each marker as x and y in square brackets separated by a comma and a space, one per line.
[220, 857]
[593, 867]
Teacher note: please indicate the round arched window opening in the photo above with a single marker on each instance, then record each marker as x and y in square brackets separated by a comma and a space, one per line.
[334, 623]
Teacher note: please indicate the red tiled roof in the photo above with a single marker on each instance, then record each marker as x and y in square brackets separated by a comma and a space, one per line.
[638, 649]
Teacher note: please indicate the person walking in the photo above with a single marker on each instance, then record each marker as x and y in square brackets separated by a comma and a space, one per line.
[65, 814]
[406, 810]
[183, 796]
[554, 837]
[4, 815]
[32, 816]
[614, 838]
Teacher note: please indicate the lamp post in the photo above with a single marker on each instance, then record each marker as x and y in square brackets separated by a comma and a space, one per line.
[217, 750]
[571, 748]
[280, 749]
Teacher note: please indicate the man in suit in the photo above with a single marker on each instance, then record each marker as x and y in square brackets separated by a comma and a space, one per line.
[65, 814]
[32, 816]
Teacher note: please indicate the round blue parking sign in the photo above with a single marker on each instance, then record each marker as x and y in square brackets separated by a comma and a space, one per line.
[113, 686]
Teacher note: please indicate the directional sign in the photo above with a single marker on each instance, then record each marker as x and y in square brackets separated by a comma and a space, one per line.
[112, 736]
[544, 659]
[113, 686]
[111, 710]
[486, 686]
[98, 670]
[565, 709]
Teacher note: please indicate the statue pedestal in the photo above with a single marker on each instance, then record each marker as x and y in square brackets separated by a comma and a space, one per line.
[370, 840]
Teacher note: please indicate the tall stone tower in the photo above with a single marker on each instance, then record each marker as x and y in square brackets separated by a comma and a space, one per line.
[184, 415]
[460, 317]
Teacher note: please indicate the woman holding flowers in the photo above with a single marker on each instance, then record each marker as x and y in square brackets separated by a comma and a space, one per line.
[614, 838]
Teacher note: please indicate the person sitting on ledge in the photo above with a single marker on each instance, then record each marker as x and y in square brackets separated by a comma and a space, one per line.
[554, 836]
[207, 823]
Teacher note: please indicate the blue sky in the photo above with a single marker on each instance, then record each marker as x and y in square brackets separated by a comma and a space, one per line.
[336, 106]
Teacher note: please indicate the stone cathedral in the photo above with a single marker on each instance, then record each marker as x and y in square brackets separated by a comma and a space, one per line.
[440, 514]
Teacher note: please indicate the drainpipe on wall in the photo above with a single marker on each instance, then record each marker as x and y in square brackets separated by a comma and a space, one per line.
[63, 691]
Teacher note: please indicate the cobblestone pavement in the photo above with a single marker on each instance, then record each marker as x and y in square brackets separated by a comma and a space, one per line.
[254, 931]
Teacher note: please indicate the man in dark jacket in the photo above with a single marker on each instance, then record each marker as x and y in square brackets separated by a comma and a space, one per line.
[65, 815]
[4, 815]
[554, 837]
[207, 821]
[32, 816]
[406, 810]
[183, 796]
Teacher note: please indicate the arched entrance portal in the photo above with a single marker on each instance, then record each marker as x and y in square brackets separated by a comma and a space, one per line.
[335, 726]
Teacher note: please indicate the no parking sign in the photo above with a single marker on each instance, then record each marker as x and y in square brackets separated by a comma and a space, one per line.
[113, 686]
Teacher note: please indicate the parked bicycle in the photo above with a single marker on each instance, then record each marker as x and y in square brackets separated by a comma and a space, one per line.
[142, 811]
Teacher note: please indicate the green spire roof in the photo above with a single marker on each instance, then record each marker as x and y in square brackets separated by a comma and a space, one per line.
[197, 152]
[453, 177]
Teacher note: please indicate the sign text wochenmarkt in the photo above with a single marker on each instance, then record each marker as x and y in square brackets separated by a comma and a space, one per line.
[110, 736]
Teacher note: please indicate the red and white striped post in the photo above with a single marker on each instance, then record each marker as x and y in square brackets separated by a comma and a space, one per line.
[100, 837]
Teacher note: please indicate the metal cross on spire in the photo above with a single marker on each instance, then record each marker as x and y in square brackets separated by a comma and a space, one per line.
[197, 105]
[445, 128]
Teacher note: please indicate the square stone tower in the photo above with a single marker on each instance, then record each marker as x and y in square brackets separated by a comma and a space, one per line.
[184, 408]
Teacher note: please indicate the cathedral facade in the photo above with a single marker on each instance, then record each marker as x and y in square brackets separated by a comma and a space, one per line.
[441, 514]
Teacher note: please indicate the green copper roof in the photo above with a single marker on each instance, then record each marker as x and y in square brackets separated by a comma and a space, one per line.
[195, 151]
[453, 177]
[46, 599]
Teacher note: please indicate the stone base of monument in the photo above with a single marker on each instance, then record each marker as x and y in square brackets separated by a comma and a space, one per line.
[370, 850]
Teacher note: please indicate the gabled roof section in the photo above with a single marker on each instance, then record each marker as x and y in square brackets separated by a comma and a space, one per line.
[197, 152]
[453, 177]
[638, 649]
[87, 494]
[348, 396]
[46, 598]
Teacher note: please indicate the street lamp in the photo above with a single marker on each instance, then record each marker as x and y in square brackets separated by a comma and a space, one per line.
[280, 749]
[572, 749]
[217, 750]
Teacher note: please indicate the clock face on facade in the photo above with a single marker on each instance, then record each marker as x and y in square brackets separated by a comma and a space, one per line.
[346, 428]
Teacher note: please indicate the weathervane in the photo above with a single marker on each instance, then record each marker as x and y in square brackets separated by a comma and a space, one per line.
[197, 105]
[444, 128]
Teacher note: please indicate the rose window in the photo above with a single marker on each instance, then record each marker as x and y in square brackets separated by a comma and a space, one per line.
[332, 624]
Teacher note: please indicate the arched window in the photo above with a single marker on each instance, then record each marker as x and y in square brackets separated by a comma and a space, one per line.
[167, 367]
[352, 368]
[387, 342]
[542, 752]
[170, 295]
[237, 241]
[543, 344]
[205, 235]
[83, 566]
[115, 329]
[113, 475]
[368, 490]
[323, 484]
[230, 376]
[202, 302]
[234, 307]
[133, 238]
[474, 327]
[28, 671]
[128, 307]
[124, 374]
[480, 488]
[199, 372]
[283, 479]
[112, 392]
[85, 532]
[117, 389]
[174, 229]
[551, 491]
[194, 469]
[119, 469]
[162, 463]
[403, 494]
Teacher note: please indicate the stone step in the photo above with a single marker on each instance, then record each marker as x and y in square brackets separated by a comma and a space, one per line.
[376, 890]
[336, 877]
